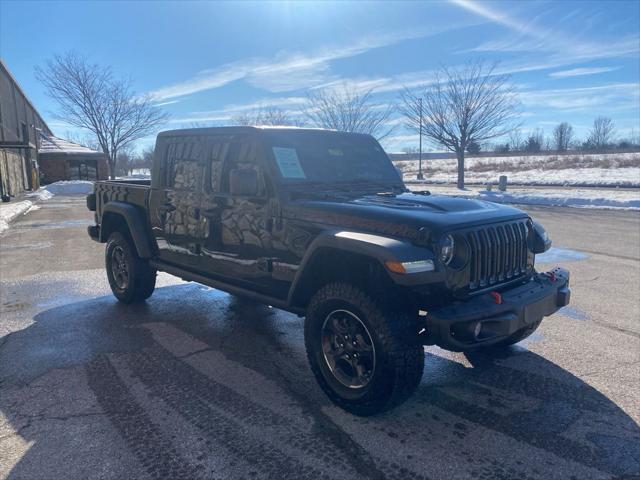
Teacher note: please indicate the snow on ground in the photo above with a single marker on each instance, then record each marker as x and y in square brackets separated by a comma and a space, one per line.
[69, 187]
[624, 177]
[566, 197]
[40, 194]
[64, 187]
[560, 255]
[11, 210]
[618, 169]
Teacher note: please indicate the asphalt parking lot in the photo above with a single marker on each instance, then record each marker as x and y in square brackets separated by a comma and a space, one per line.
[199, 384]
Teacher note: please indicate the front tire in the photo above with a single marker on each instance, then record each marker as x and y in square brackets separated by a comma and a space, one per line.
[131, 278]
[365, 355]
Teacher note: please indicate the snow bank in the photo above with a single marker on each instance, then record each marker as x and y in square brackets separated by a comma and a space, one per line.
[70, 187]
[65, 187]
[566, 197]
[10, 211]
[623, 177]
[40, 194]
[560, 255]
[571, 198]
[616, 169]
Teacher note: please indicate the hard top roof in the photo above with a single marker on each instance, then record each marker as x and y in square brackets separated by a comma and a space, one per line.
[243, 129]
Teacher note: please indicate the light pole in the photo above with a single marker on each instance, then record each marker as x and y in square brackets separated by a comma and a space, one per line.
[420, 175]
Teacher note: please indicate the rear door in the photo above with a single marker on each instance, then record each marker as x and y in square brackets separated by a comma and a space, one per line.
[179, 227]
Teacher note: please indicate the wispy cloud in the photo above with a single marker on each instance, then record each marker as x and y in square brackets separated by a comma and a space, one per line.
[292, 105]
[577, 72]
[493, 15]
[162, 104]
[550, 36]
[291, 71]
[611, 97]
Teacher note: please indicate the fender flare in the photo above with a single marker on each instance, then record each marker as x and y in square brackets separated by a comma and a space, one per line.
[137, 223]
[377, 247]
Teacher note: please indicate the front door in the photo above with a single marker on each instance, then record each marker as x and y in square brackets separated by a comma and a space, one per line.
[237, 238]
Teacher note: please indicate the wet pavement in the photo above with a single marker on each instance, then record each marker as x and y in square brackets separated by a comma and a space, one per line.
[199, 384]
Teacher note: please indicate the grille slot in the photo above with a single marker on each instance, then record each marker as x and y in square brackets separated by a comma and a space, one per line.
[498, 253]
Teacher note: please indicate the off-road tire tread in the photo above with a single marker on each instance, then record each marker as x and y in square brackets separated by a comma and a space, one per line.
[142, 274]
[396, 331]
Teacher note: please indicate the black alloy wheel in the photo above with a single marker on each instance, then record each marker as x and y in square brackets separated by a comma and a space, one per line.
[348, 349]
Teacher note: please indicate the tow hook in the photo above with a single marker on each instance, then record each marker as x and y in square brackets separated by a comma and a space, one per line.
[497, 298]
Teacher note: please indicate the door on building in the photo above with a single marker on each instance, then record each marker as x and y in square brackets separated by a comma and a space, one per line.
[82, 170]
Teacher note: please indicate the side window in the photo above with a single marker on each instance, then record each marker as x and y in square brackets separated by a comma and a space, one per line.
[185, 165]
[219, 150]
[243, 154]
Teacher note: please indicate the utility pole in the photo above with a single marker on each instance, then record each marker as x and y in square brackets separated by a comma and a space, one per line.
[420, 175]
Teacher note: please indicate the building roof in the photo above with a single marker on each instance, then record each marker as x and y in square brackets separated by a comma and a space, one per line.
[51, 144]
[24, 95]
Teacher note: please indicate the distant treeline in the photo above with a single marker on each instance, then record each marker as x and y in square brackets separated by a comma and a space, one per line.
[444, 155]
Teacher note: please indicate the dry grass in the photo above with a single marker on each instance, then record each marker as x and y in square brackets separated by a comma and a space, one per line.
[519, 164]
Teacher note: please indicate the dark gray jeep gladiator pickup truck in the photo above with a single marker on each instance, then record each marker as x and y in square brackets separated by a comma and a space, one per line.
[319, 223]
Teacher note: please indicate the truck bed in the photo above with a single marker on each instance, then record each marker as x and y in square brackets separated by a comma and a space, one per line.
[135, 192]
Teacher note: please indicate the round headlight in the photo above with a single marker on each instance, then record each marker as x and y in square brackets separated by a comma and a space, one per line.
[447, 247]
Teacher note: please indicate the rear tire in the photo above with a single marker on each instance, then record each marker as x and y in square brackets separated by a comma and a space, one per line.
[131, 278]
[385, 364]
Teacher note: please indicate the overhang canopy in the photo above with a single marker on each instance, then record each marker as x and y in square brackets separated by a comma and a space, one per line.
[50, 145]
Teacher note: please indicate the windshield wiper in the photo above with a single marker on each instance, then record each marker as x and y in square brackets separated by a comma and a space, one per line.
[382, 187]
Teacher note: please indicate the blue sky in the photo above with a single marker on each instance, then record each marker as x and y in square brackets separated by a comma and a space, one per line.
[205, 62]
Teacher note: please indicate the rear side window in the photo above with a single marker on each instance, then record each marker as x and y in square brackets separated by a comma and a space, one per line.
[185, 164]
[220, 146]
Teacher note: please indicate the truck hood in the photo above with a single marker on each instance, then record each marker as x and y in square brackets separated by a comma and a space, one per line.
[402, 214]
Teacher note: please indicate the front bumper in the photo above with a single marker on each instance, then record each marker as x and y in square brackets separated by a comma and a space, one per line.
[455, 327]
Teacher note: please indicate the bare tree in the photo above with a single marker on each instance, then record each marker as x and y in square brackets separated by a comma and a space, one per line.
[516, 143]
[126, 161]
[535, 141]
[91, 98]
[348, 110]
[88, 141]
[145, 158]
[562, 136]
[268, 116]
[601, 134]
[461, 106]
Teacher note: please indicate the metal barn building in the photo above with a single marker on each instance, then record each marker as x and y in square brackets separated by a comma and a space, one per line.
[30, 153]
[20, 129]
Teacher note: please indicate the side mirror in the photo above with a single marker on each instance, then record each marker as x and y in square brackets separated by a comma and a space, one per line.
[243, 182]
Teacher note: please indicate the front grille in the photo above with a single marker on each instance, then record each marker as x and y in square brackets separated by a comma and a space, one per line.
[498, 253]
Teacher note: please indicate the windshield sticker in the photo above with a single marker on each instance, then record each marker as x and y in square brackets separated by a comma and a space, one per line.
[336, 152]
[288, 162]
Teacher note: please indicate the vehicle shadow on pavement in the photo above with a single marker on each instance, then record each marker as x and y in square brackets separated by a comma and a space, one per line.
[233, 374]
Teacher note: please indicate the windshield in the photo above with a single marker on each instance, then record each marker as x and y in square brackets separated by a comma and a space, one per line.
[330, 157]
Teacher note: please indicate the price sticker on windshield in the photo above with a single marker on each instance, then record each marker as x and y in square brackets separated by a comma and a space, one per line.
[288, 163]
